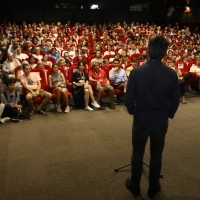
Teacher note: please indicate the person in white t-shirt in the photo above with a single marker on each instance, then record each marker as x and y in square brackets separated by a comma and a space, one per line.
[19, 55]
[37, 54]
[31, 82]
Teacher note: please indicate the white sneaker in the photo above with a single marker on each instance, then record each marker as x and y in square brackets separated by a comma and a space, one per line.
[88, 108]
[95, 104]
[4, 120]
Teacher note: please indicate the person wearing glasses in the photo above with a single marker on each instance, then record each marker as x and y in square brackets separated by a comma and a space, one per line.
[98, 76]
[31, 82]
[118, 76]
[82, 91]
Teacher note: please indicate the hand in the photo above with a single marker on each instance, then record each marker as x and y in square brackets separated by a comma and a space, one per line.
[12, 71]
[98, 83]
[34, 94]
[19, 106]
[58, 84]
[37, 93]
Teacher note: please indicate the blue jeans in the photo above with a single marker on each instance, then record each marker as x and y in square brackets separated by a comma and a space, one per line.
[140, 135]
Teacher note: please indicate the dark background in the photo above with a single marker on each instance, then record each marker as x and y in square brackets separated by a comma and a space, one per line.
[109, 10]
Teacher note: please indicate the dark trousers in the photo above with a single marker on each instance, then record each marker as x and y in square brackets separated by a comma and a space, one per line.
[9, 111]
[140, 135]
[182, 85]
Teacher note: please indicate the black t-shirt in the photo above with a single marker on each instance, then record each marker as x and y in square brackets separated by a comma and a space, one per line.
[76, 77]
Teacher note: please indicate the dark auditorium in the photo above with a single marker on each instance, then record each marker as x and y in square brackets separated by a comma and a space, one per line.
[100, 100]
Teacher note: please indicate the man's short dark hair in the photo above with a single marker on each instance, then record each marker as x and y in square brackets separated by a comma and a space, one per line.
[10, 81]
[116, 59]
[157, 47]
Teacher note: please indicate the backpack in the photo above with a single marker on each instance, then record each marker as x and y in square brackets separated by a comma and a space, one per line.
[6, 96]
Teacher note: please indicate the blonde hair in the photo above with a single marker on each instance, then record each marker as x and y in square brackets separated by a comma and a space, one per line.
[60, 60]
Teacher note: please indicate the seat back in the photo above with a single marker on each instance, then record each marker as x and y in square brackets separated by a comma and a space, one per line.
[42, 76]
[52, 59]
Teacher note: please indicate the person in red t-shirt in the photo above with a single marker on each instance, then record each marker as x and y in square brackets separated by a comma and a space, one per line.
[98, 76]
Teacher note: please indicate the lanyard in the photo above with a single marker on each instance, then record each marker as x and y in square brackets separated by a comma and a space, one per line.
[82, 75]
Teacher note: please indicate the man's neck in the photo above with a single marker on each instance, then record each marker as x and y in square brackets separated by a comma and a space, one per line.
[10, 91]
[97, 70]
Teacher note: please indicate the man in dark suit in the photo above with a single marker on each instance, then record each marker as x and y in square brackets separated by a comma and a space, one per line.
[152, 97]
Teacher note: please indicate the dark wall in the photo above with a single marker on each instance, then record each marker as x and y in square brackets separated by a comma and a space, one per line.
[111, 10]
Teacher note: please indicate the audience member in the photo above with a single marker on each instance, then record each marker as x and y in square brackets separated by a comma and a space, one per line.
[10, 98]
[118, 76]
[82, 91]
[98, 76]
[9, 65]
[46, 61]
[58, 84]
[133, 66]
[181, 78]
[31, 83]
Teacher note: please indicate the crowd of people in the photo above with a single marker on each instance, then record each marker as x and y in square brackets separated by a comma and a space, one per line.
[85, 61]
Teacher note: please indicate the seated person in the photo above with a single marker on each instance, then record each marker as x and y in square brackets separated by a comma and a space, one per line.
[40, 65]
[19, 55]
[98, 76]
[82, 91]
[32, 61]
[196, 68]
[9, 65]
[134, 65]
[80, 59]
[98, 58]
[134, 50]
[109, 51]
[54, 54]
[3, 77]
[45, 60]
[62, 64]
[143, 56]
[31, 82]
[118, 76]
[36, 53]
[10, 98]
[58, 84]
[181, 79]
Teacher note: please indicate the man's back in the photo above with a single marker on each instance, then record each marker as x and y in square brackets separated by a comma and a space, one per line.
[155, 90]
